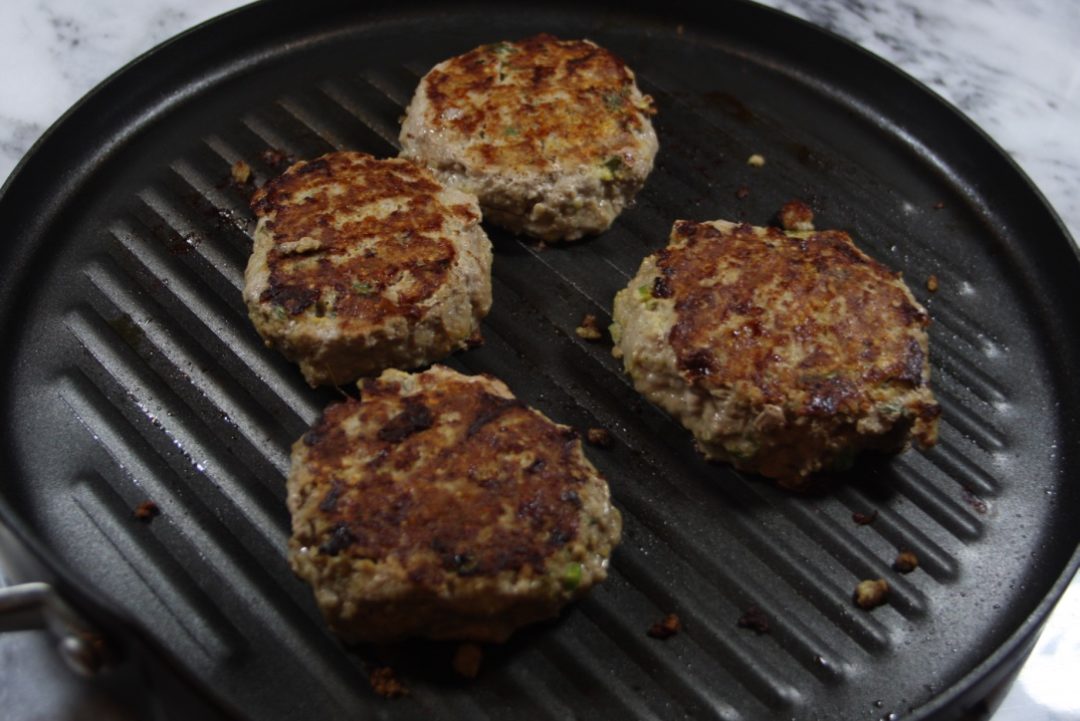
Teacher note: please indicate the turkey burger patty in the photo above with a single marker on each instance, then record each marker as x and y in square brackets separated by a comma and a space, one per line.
[552, 135]
[361, 264]
[782, 352]
[440, 506]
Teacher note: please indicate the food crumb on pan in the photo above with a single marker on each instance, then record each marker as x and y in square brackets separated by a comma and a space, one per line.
[241, 172]
[864, 519]
[742, 193]
[476, 340]
[467, 660]
[932, 283]
[755, 620]
[977, 504]
[385, 683]
[939, 205]
[796, 215]
[906, 562]
[666, 627]
[146, 511]
[589, 328]
[277, 159]
[599, 437]
[871, 593]
[756, 160]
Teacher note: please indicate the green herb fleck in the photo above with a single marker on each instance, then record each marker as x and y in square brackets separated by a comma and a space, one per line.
[571, 576]
[363, 288]
[644, 293]
[511, 131]
[615, 100]
[610, 168]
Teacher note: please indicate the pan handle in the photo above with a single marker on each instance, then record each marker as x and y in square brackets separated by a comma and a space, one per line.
[37, 605]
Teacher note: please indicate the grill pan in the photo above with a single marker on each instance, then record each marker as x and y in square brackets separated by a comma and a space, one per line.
[131, 373]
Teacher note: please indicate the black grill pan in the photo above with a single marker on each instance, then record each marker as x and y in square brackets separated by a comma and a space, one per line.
[131, 372]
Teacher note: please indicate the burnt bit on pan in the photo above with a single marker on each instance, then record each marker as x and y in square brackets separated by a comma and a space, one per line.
[278, 160]
[932, 283]
[755, 620]
[146, 511]
[665, 628]
[385, 683]
[864, 519]
[906, 561]
[599, 437]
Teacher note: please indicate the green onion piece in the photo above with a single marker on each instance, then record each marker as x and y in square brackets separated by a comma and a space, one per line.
[644, 293]
[363, 288]
[571, 576]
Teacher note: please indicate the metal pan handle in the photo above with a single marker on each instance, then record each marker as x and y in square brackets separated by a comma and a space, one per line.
[36, 605]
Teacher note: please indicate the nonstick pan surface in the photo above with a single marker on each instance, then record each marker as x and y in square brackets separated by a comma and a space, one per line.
[131, 373]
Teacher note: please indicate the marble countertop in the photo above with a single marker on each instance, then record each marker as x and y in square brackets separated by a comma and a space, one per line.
[1009, 65]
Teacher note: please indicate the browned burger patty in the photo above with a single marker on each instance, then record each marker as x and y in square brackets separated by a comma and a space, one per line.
[361, 264]
[783, 352]
[440, 506]
[554, 136]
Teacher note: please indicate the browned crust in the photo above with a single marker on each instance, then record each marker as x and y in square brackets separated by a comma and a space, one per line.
[804, 321]
[456, 480]
[311, 200]
[551, 88]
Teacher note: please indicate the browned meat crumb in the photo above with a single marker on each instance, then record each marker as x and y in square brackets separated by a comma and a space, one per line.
[241, 172]
[755, 620]
[666, 627]
[386, 684]
[277, 159]
[905, 562]
[932, 284]
[756, 160]
[871, 593]
[589, 328]
[742, 193]
[476, 340]
[467, 660]
[146, 511]
[939, 205]
[599, 437]
[796, 215]
[864, 519]
[977, 504]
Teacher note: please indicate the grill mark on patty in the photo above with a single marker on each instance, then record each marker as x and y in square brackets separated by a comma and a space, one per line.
[322, 213]
[508, 100]
[839, 323]
[463, 497]
[490, 408]
[415, 418]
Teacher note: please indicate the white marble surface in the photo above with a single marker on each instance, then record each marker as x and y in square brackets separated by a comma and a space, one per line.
[1012, 66]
